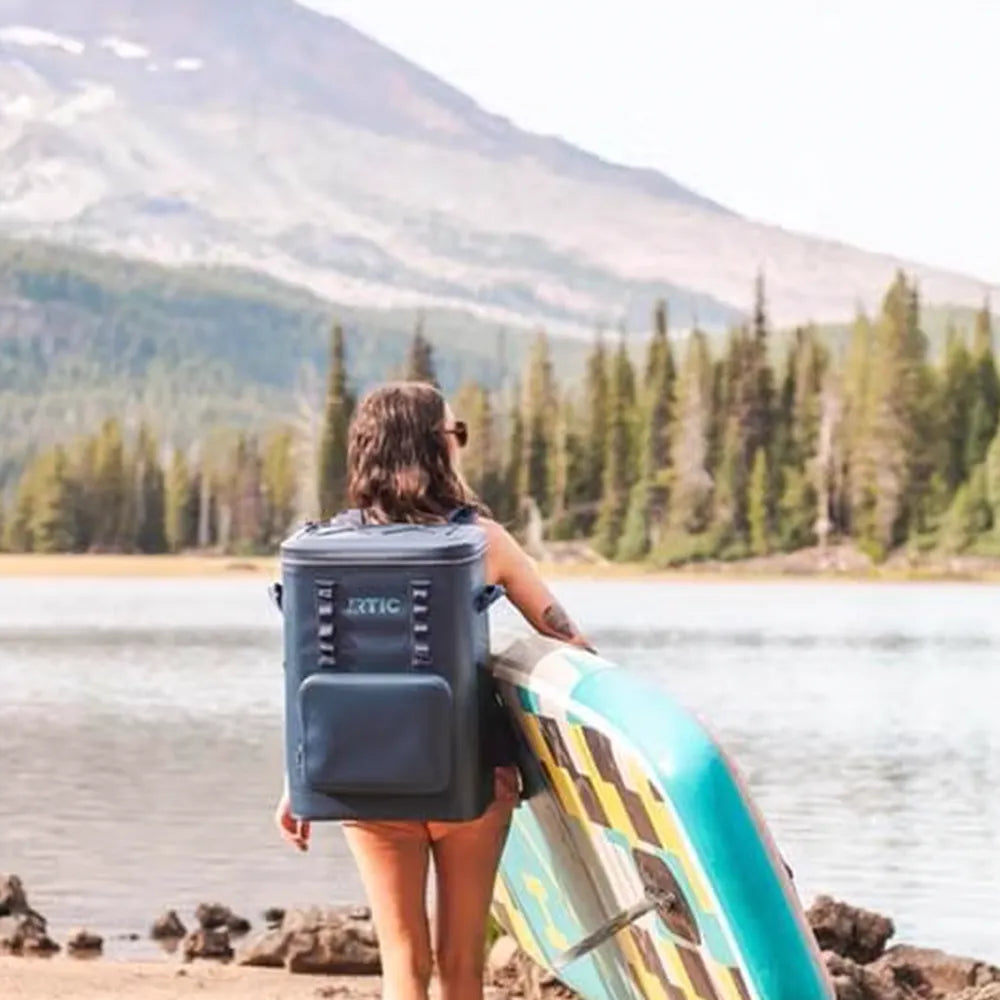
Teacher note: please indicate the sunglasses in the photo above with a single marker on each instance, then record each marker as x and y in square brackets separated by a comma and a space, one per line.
[461, 432]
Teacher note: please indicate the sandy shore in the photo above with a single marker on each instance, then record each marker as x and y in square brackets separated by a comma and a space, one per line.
[761, 571]
[135, 566]
[59, 978]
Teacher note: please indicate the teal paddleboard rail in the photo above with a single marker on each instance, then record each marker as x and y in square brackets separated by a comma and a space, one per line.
[746, 874]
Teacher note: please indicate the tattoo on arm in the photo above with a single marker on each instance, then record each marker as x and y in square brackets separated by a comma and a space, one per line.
[558, 622]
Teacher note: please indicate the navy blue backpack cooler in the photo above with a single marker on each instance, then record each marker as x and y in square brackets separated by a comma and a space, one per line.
[390, 710]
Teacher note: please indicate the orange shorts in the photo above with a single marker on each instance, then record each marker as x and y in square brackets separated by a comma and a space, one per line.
[506, 792]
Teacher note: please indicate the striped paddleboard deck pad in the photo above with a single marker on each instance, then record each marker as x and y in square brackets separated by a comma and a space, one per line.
[638, 867]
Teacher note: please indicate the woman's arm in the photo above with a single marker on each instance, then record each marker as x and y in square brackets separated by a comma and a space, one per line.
[510, 566]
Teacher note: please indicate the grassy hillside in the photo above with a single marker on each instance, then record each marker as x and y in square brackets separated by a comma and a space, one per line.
[85, 334]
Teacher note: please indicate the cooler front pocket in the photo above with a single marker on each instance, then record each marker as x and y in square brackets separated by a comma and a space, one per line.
[376, 734]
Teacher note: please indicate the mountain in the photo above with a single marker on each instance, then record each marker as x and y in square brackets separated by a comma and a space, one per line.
[263, 135]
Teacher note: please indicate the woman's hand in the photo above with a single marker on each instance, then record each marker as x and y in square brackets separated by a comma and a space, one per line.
[295, 831]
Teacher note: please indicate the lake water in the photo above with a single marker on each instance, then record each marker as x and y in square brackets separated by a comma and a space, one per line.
[140, 754]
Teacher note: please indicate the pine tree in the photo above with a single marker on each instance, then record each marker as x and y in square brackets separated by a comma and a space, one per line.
[53, 511]
[991, 482]
[759, 513]
[611, 515]
[738, 427]
[803, 474]
[890, 445]
[180, 504]
[649, 493]
[539, 407]
[857, 493]
[17, 530]
[481, 460]
[150, 494]
[927, 453]
[279, 487]
[729, 518]
[956, 396]
[249, 529]
[759, 403]
[82, 459]
[336, 423]
[691, 483]
[969, 515]
[984, 411]
[513, 459]
[111, 497]
[660, 390]
[596, 395]
[746, 424]
[420, 359]
[560, 471]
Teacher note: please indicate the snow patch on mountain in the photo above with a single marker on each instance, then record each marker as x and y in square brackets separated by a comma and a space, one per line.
[19, 106]
[25, 35]
[188, 65]
[125, 49]
[93, 98]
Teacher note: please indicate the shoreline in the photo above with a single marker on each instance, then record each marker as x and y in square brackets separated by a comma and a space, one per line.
[768, 570]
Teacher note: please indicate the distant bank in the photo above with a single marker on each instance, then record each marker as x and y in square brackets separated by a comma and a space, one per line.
[801, 568]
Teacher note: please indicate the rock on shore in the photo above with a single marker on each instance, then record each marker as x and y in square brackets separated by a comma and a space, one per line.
[167, 927]
[23, 931]
[334, 941]
[214, 916]
[84, 943]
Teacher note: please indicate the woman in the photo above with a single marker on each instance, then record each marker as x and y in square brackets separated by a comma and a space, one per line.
[403, 466]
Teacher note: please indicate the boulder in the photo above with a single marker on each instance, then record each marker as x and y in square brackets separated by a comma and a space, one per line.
[25, 934]
[238, 925]
[208, 943]
[273, 916]
[332, 941]
[84, 943]
[856, 982]
[23, 931]
[991, 992]
[849, 931]
[212, 916]
[13, 899]
[934, 972]
[167, 926]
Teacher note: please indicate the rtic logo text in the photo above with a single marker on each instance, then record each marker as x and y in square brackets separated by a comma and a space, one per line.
[368, 606]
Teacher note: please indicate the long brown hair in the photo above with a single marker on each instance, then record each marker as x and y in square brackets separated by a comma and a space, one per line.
[399, 465]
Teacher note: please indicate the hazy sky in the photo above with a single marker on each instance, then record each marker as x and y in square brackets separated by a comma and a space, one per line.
[872, 121]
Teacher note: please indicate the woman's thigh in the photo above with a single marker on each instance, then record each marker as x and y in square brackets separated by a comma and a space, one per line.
[393, 860]
[466, 857]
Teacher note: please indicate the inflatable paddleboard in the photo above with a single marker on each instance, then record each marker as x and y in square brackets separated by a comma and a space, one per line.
[638, 868]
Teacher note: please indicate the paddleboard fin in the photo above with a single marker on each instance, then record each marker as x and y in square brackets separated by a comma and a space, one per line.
[653, 901]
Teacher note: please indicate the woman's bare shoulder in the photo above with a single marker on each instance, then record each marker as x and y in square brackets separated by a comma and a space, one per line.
[497, 535]
[503, 551]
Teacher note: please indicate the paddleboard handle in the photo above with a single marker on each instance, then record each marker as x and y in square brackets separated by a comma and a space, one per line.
[654, 900]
